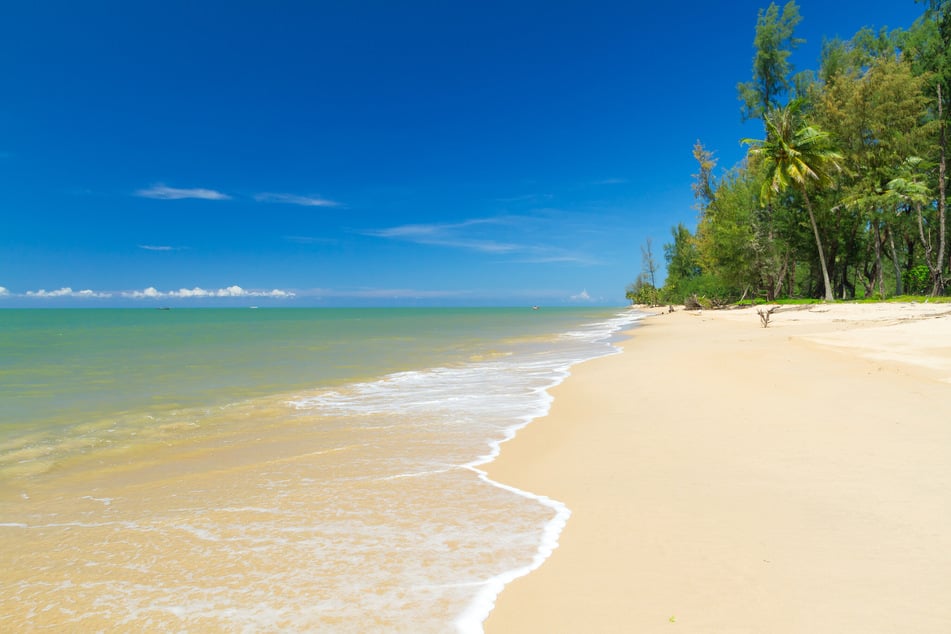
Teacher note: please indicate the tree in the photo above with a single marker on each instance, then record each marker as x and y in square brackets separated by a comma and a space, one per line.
[928, 46]
[880, 99]
[681, 255]
[737, 243]
[650, 265]
[774, 44]
[911, 190]
[875, 107]
[703, 187]
[642, 292]
[795, 155]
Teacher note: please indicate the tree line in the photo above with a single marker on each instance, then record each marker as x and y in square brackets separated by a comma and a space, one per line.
[845, 194]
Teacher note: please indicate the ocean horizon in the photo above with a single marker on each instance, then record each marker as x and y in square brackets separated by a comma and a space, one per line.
[281, 468]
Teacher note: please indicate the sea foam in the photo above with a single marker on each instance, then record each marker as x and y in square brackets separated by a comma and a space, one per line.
[375, 490]
[488, 399]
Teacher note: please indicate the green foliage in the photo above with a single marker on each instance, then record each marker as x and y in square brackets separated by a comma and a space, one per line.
[905, 299]
[917, 280]
[774, 44]
[846, 193]
[786, 301]
[728, 235]
[796, 154]
[685, 276]
[706, 287]
[703, 187]
[643, 292]
[683, 261]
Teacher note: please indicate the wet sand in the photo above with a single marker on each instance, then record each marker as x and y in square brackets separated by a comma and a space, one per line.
[724, 477]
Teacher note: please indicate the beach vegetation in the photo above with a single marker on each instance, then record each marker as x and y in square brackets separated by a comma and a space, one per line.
[907, 299]
[641, 291]
[785, 301]
[772, 71]
[844, 195]
[918, 280]
[644, 289]
[797, 155]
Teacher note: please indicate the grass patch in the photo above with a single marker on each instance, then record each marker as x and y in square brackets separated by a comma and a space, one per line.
[903, 299]
[899, 299]
[783, 302]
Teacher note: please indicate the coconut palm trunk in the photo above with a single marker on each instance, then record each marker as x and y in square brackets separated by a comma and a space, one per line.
[822, 256]
[794, 154]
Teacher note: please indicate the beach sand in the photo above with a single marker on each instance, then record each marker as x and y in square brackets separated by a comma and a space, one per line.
[725, 478]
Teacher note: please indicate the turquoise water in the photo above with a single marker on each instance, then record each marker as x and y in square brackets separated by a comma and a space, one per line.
[273, 469]
[60, 367]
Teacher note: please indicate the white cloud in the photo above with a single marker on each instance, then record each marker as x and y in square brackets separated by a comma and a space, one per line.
[384, 293]
[526, 198]
[548, 257]
[153, 247]
[63, 292]
[3, 291]
[293, 199]
[581, 297]
[162, 192]
[67, 292]
[470, 235]
[149, 292]
[153, 293]
[449, 235]
[188, 293]
[309, 240]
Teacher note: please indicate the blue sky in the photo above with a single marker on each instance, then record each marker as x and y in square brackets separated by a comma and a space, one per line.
[364, 152]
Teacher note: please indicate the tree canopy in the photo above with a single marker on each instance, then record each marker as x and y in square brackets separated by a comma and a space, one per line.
[845, 194]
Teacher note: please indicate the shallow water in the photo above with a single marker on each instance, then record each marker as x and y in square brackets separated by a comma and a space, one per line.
[244, 471]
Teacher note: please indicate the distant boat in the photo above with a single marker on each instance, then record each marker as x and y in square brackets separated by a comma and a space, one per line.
[534, 307]
[163, 308]
[252, 307]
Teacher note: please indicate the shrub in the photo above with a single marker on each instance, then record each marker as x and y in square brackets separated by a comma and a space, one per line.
[917, 280]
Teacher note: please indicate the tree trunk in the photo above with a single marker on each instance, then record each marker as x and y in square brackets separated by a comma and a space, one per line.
[899, 290]
[938, 283]
[934, 266]
[791, 277]
[822, 257]
[845, 283]
[878, 260]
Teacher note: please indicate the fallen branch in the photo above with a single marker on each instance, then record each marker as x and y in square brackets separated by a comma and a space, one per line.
[764, 315]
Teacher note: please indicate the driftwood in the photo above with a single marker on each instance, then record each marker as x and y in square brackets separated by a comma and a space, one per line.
[698, 302]
[764, 315]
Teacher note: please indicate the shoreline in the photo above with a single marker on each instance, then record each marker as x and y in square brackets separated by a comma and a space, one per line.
[367, 485]
[726, 477]
[480, 607]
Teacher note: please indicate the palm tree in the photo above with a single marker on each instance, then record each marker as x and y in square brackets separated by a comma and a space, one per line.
[795, 155]
[910, 189]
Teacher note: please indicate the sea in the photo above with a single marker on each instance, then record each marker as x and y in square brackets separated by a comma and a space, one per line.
[278, 469]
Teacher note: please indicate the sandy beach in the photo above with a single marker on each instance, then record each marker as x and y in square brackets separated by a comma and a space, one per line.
[725, 477]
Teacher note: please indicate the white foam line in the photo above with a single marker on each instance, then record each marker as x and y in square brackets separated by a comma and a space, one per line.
[105, 501]
[419, 474]
[471, 619]
[478, 610]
